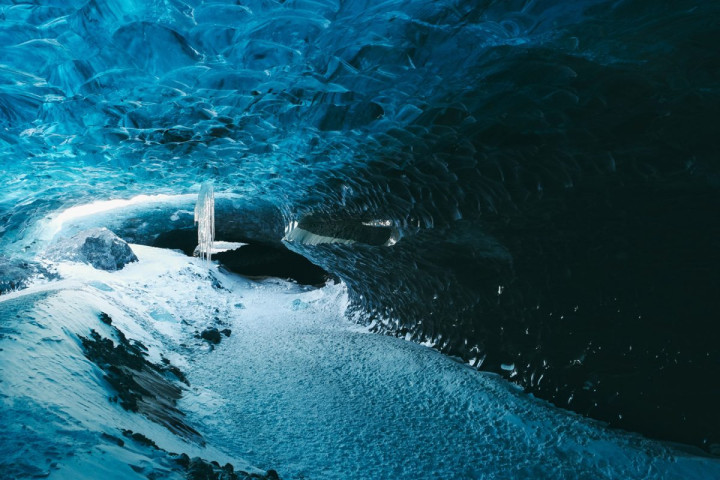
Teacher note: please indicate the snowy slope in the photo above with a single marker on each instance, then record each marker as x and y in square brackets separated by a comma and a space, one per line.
[296, 387]
[55, 406]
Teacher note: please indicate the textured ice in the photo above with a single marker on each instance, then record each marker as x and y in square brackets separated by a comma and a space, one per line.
[564, 150]
[205, 220]
[296, 387]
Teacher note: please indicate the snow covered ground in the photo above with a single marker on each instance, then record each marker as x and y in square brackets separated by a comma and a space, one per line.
[296, 387]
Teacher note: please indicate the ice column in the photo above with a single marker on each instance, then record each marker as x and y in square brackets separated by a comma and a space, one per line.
[205, 218]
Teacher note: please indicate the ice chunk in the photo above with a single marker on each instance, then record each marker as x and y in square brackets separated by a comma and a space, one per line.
[205, 218]
[98, 247]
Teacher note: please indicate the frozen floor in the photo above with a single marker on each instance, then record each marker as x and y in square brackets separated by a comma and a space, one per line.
[300, 389]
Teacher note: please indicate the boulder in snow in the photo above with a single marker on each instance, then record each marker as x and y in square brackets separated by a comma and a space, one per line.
[212, 335]
[98, 247]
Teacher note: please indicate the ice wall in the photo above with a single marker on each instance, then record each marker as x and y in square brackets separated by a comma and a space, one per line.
[550, 169]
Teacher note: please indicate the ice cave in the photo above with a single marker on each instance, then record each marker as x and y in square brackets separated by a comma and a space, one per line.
[359, 239]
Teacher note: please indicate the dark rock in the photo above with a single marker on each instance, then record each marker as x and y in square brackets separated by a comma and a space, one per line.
[258, 260]
[117, 441]
[105, 318]
[216, 283]
[141, 386]
[98, 247]
[183, 460]
[200, 469]
[193, 469]
[226, 332]
[16, 274]
[141, 439]
[212, 335]
[175, 371]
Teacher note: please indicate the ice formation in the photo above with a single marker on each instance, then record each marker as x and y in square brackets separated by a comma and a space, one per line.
[97, 247]
[205, 219]
[529, 187]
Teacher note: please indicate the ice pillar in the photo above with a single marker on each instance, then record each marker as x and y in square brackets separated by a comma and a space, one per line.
[205, 219]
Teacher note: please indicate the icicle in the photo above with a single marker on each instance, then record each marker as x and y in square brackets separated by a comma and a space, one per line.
[205, 218]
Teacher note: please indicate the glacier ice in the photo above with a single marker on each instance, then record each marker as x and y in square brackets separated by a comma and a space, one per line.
[205, 219]
[566, 151]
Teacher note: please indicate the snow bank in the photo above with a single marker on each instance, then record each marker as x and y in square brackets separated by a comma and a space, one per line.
[292, 386]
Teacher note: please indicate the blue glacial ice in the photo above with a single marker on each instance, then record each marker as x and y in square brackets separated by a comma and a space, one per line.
[528, 187]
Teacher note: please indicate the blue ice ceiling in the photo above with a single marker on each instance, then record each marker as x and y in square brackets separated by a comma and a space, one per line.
[551, 168]
[270, 97]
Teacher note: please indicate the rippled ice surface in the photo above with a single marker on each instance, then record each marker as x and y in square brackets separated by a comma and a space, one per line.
[299, 388]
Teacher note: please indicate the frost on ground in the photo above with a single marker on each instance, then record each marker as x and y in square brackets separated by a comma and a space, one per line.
[62, 409]
[291, 385]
